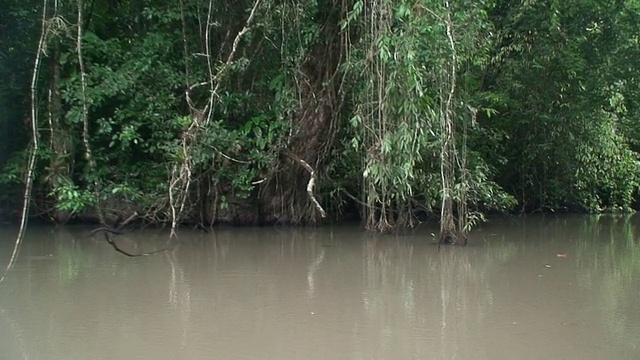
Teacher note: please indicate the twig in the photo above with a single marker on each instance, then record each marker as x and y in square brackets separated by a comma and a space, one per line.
[231, 158]
[234, 48]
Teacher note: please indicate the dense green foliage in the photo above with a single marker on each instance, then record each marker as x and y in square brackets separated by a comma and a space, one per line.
[564, 76]
[273, 111]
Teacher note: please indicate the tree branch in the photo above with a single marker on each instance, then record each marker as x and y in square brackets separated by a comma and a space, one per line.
[311, 183]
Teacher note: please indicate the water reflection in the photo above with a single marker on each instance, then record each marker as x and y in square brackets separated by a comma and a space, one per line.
[336, 293]
[611, 274]
[441, 296]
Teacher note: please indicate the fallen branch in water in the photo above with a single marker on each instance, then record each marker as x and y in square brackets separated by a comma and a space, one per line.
[118, 231]
[117, 248]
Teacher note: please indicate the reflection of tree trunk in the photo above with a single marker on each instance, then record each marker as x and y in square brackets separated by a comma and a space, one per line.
[444, 301]
[285, 197]
[16, 333]
[311, 272]
[180, 294]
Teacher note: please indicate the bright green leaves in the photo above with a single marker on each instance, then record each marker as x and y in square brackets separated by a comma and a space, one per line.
[355, 13]
[607, 172]
[263, 129]
[565, 98]
[127, 137]
[396, 124]
[70, 198]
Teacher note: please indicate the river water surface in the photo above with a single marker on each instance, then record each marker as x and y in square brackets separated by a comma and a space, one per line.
[534, 288]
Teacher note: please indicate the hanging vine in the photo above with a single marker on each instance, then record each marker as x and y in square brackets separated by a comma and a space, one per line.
[449, 232]
[24, 218]
[406, 115]
[85, 117]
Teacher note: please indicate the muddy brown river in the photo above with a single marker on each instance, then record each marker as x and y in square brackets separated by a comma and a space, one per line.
[534, 288]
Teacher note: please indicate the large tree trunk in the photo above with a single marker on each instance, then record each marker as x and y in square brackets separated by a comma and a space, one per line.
[287, 197]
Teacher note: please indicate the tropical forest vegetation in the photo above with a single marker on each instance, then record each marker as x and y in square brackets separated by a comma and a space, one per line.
[301, 112]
